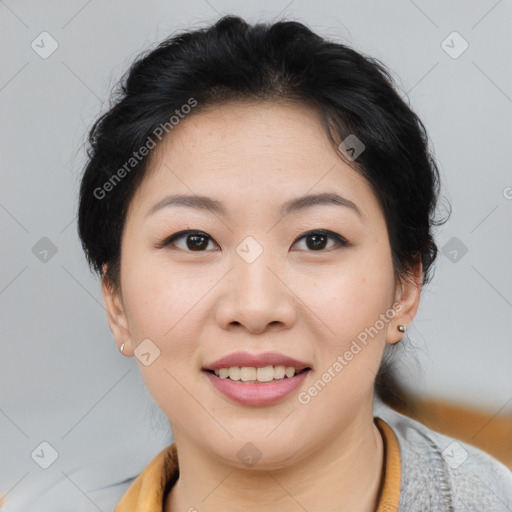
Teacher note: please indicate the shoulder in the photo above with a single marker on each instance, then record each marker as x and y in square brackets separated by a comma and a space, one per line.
[443, 473]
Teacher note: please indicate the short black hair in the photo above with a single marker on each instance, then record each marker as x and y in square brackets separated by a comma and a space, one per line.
[354, 95]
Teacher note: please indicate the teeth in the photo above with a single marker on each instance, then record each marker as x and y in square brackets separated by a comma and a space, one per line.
[266, 374]
[251, 374]
[247, 373]
[290, 372]
[223, 373]
[234, 373]
[279, 372]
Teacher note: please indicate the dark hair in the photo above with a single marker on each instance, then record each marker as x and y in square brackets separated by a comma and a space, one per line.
[353, 94]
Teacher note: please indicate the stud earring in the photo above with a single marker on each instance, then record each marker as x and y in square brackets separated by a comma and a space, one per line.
[402, 328]
[122, 347]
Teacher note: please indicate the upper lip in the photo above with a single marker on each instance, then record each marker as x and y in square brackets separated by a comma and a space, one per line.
[256, 360]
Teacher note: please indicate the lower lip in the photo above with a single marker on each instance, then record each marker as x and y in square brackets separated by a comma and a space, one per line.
[264, 393]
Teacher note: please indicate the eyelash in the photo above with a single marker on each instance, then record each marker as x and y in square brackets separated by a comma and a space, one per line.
[183, 234]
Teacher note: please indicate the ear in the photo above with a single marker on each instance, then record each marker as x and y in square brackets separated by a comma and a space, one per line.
[407, 300]
[116, 316]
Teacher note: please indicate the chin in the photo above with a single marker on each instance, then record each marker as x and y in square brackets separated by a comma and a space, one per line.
[257, 455]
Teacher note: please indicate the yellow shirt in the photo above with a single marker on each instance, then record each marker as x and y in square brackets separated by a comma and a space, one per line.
[148, 491]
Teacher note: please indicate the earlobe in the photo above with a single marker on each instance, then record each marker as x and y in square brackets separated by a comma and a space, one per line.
[116, 317]
[408, 297]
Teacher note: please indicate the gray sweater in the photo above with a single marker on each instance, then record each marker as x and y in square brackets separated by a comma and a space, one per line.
[442, 474]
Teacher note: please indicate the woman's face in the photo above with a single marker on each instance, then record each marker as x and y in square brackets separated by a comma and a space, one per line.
[254, 281]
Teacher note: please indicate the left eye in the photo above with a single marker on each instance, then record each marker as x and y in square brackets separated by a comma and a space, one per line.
[317, 240]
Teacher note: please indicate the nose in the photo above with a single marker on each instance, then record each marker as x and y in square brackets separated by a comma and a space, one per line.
[257, 297]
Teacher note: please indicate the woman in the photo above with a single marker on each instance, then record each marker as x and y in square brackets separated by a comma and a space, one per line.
[259, 203]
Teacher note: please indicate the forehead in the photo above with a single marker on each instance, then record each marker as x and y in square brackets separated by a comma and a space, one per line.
[251, 151]
[263, 131]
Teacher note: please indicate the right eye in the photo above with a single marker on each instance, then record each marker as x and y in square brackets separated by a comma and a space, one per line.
[191, 241]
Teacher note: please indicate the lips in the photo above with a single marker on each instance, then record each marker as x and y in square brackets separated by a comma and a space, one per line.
[260, 394]
[242, 359]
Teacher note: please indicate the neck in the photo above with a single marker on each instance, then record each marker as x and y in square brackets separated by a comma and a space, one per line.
[341, 473]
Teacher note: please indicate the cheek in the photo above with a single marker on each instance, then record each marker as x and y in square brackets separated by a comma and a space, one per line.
[166, 307]
[158, 296]
[350, 347]
[352, 298]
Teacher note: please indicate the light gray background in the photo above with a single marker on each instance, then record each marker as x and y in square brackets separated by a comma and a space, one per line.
[62, 379]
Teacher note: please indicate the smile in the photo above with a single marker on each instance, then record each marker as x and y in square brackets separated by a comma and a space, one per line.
[252, 386]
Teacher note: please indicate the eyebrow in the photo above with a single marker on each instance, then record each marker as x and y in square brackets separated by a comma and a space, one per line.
[205, 203]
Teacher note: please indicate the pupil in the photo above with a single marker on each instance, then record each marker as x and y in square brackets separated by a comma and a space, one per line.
[319, 241]
[198, 242]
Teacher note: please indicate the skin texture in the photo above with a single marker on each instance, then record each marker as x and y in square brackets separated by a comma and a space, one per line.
[308, 303]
